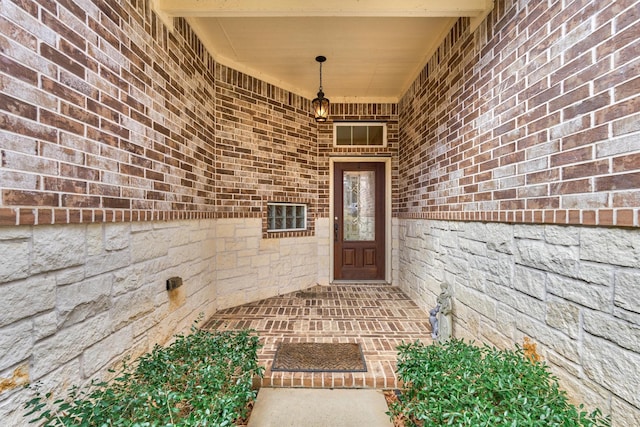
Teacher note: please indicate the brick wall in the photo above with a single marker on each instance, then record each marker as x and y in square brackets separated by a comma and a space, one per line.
[117, 119]
[105, 115]
[532, 118]
[387, 113]
[265, 146]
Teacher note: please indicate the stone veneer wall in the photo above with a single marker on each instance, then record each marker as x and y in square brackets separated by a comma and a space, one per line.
[519, 156]
[78, 298]
[572, 289]
[250, 268]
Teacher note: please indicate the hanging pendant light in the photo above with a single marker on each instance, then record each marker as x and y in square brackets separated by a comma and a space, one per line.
[320, 104]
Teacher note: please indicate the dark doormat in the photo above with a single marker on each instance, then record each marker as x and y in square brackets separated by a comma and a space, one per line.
[319, 357]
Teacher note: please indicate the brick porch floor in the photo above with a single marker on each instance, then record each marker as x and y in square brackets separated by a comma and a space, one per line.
[377, 316]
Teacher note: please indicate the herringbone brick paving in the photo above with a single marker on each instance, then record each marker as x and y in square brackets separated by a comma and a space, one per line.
[378, 316]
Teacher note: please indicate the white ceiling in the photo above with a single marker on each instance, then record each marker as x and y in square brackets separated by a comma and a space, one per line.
[374, 48]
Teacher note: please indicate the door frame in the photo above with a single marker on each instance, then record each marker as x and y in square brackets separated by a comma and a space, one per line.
[387, 208]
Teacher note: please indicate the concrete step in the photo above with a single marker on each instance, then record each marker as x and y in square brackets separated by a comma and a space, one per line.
[303, 407]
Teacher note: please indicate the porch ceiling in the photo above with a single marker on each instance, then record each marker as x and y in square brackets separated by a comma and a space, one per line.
[374, 48]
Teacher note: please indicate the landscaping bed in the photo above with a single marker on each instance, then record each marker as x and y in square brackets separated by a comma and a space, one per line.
[201, 379]
[460, 384]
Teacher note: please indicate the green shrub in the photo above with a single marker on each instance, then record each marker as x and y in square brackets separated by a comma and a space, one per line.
[201, 379]
[459, 384]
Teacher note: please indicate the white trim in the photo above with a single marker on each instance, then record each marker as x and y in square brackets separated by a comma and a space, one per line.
[330, 8]
[387, 209]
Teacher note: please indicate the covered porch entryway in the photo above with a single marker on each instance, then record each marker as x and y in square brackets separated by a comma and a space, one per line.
[378, 316]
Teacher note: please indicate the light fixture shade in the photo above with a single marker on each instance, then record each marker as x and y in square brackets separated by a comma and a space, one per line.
[320, 107]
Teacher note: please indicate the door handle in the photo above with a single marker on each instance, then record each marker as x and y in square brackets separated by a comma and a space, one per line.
[336, 228]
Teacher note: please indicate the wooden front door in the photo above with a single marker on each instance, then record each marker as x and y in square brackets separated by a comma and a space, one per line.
[359, 221]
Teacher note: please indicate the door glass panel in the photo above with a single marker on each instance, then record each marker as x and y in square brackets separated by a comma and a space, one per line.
[359, 205]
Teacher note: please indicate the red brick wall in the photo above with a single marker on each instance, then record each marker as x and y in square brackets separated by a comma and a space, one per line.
[107, 116]
[387, 113]
[532, 118]
[265, 146]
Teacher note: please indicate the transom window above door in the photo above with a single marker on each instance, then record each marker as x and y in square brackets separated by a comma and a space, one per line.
[359, 134]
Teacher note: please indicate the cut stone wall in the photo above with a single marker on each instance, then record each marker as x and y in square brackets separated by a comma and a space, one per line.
[78, 298]
[250, 268]
[324, 233]
[572, 289]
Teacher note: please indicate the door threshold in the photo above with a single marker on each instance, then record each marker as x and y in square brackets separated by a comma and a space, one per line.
[360, 282]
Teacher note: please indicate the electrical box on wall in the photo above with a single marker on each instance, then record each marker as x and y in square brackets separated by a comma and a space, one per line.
[173, 283]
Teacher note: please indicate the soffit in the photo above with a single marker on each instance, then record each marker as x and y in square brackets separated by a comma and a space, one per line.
[374, 48]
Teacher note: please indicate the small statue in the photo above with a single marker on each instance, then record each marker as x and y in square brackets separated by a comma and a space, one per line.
[440, 316]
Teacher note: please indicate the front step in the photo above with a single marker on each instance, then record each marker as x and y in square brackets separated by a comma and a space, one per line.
[378, 378]
[379, 317]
